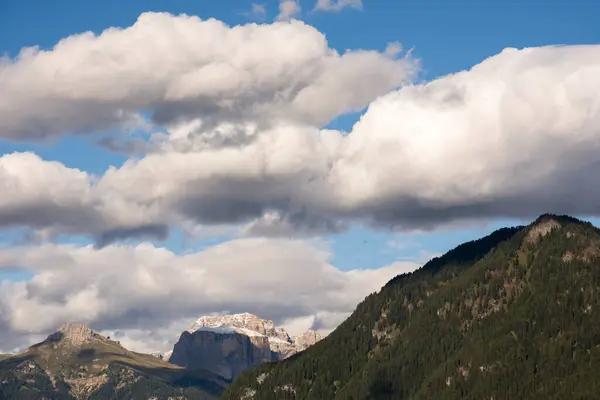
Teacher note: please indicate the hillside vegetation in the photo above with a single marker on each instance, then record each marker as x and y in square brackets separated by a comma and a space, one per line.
[513, 315]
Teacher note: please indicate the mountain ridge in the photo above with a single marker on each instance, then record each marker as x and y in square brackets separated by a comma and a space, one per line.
[74, 362]
[280, 341]
[511, 315]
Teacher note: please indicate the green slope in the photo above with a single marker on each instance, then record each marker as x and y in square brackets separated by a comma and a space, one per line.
[513, 315]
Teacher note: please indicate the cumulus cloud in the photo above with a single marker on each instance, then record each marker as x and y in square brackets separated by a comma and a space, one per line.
[51, 198]
[288, 9]
[278, 176]
[124, 289]
[179, 68]
[514, 136]
[336, 6]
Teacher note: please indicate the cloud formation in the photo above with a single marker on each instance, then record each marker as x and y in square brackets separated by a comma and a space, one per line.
[514, 136]
[336, 6]
[122, 287]
[52, 199]
[179, 68]
[258, 11]
[288, 9]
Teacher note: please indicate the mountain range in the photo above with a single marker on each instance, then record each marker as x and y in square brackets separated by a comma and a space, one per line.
[515, 314]
[77, 363]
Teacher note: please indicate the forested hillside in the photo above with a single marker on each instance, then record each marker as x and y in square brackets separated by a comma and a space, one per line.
[513, 315]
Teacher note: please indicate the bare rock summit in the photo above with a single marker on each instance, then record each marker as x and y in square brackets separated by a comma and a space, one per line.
[75, 335]
[229, 344]
[250, 325]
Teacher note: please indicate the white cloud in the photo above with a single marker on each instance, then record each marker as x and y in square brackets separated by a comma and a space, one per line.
[514, 136]
[142, 288]
[393, 49]
[258, 11]
[278, 169]
[336, 6]
[288, 9]
[51, 198]
[181, 68]
[159, 337]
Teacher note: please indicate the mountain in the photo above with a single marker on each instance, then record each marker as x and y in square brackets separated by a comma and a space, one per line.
[513, 315]
[76, 363]
[230, 344]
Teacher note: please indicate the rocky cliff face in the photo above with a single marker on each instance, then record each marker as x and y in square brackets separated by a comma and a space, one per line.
[229, 344]
[226, 354]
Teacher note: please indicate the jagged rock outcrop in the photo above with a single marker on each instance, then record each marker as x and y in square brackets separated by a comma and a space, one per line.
[74, 335]
[541, 228]
[227, 345]
[306, 340]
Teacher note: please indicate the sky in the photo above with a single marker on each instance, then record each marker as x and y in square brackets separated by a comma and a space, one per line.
[163, 160]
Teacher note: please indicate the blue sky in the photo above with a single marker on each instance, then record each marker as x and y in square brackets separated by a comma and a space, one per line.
[446, 36]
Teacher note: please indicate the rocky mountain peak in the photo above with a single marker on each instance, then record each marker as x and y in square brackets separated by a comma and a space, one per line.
[229, 344]
[245, 321]
[253, 326]
[74, 334]
[306, 340]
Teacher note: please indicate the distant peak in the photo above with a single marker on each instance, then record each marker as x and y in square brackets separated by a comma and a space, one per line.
[257, 329]
[312, 333]
[307, 339]
[70, 327]
[245, 321]
[73, 333]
